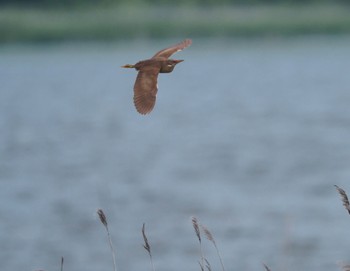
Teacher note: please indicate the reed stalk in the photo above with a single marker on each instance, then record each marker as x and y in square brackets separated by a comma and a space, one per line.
[103, 220]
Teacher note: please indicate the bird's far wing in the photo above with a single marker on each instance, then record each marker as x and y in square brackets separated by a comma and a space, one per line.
[145, 89]
[167, 52]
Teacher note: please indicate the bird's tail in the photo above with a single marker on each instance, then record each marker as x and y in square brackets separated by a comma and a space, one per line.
[128, 66]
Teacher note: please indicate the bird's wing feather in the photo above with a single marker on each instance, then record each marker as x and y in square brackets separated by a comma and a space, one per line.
[145, 89]
[167, 52]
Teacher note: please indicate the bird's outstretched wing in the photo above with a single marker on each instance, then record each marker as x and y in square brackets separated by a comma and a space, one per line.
[145, 89]
[167, 52]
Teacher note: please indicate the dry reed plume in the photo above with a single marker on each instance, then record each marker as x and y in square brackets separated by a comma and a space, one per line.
[346, 204]
[195, 225]
[266, 267]
[344, 198]
[103, 220]
[147, 246]
[210, 237]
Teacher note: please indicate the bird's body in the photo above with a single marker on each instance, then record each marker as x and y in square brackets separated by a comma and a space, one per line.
[145, 88]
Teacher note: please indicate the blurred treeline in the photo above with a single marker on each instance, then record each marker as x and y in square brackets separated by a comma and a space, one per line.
[70, 3]
[106, 20]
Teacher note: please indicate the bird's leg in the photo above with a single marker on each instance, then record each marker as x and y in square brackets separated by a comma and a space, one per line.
[128, 66]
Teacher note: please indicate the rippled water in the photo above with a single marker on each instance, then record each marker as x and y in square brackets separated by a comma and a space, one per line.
[249, 136]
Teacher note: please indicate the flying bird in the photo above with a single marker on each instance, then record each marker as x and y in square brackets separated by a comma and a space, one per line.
[146, 87]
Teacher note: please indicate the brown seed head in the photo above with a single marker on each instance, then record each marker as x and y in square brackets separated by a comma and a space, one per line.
[102, 217]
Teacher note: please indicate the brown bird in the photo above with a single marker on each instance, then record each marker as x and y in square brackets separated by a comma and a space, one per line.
[146, 87]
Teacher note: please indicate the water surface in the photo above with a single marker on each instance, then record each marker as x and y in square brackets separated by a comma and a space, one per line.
[248, 135]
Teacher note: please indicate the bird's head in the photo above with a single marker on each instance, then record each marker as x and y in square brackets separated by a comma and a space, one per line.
[169, 65]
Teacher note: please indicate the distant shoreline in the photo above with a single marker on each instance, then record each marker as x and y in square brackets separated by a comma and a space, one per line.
[131, 22]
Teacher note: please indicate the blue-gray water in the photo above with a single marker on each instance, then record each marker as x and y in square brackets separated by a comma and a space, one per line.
[249, 136]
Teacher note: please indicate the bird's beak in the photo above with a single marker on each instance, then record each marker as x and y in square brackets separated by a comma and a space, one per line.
[178, 61]
[129, 66]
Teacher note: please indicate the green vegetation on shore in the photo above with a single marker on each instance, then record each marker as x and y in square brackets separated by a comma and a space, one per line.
[127, 22]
